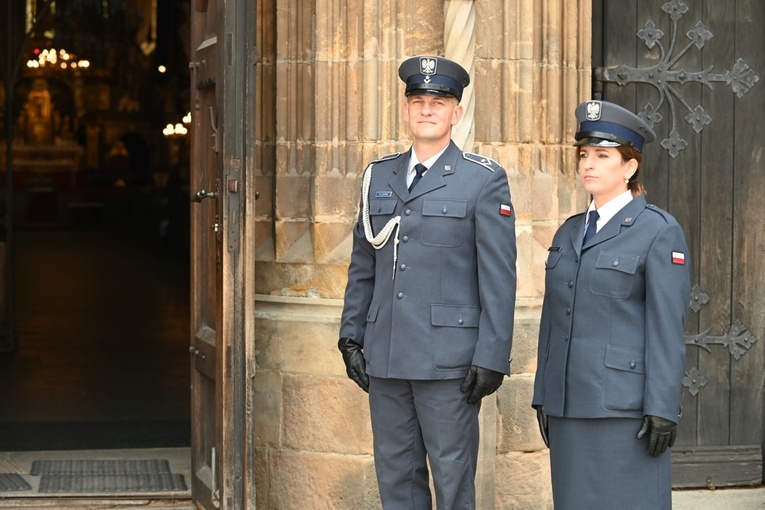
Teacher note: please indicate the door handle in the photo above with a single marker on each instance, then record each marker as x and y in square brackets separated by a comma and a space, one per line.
[202, 194]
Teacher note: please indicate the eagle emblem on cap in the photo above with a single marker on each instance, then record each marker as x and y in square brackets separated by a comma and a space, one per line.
[593, 110]
[427, 66]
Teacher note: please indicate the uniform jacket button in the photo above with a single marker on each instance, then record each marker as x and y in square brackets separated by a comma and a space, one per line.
[615, 263]
[443, 211]
[400, 295]
[408, 212]
[402, 267]
[460, 322]
[633, 364]
[570, 284]
[405, 239]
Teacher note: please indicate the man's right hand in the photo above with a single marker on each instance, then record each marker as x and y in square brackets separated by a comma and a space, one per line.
[355, 366]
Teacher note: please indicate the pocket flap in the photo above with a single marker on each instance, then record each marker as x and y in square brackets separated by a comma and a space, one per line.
[629, 360]
[624, 262]
[445, 208]
[382, 207]
[374, 309]
[553, 256]
[455, 316]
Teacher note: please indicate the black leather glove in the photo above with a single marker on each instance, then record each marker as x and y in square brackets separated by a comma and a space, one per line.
[355, 366]
[542, 420]
[482, 381]
[661, 434]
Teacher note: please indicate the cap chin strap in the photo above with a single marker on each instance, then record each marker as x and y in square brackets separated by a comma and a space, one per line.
[381, 239]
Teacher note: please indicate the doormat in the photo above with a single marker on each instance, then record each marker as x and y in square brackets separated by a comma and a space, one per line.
[100, 467]
[13, 482]
[81, 476]
[82, 484]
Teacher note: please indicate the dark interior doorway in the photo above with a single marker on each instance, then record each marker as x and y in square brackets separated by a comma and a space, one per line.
[98, 226]
[102, 318]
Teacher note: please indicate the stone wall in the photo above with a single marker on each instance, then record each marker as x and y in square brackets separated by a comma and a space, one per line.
[327, 100]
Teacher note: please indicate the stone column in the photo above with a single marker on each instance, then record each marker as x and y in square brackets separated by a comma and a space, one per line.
[459, 44]
[532, 67]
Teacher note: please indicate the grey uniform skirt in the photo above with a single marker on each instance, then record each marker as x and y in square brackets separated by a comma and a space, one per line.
[600, 464]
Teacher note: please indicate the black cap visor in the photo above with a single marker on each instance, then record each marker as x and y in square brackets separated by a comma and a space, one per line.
[598, 139]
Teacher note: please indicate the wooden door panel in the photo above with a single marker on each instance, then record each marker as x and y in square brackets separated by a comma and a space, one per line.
[691, 68]
[206, 161]
[218, 377]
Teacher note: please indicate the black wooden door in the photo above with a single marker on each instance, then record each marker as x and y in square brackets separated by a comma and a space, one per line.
[691, 68]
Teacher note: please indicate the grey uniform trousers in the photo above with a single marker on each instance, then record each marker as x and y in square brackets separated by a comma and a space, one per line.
[412, 420]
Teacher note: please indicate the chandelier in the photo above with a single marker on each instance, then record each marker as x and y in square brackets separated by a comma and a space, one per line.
[56, 59]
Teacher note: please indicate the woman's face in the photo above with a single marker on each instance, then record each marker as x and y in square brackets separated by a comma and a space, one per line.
[604, 173]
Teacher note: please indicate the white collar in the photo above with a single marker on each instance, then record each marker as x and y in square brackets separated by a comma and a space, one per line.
[610, 208]
[428, 162]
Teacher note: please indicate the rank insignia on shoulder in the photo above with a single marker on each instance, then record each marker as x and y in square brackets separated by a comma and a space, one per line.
[387, 157]
[481, 160]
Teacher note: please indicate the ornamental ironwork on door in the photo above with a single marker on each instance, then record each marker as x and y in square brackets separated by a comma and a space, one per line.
[667, 78]
[738, 339]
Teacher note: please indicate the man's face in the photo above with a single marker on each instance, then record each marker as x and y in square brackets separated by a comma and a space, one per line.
[431, 117]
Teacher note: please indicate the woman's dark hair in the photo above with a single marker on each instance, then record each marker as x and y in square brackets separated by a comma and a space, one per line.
[629, 153]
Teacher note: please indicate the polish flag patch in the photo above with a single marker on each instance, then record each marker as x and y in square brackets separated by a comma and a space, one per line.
[678, 257]
[505, 210]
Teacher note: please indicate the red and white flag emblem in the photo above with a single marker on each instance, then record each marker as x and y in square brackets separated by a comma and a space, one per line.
[505, 210]
[678, 257]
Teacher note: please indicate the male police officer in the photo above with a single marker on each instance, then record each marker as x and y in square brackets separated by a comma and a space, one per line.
[428, 318]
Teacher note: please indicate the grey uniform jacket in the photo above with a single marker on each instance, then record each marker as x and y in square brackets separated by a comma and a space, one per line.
[448, 301]
[611, 339]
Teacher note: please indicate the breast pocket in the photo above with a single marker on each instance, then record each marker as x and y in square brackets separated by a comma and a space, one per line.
[380, 212]
[443, 222]
[614, 274]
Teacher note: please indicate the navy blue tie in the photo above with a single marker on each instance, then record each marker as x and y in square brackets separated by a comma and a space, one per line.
[420, 169]
[591, 226]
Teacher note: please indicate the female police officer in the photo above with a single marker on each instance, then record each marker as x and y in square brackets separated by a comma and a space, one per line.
[611, 347]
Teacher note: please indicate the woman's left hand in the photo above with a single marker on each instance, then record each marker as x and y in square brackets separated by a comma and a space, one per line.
[662, 433]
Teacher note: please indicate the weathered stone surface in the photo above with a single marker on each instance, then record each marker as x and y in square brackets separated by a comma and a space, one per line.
[319, 480]
[267, 406]
[326, 414]
[525, 338]
[525, 481]
[519, 430]
[298, 336]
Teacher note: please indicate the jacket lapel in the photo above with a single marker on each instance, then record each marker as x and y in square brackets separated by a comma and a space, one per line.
[397, 181]
[577, 233]
[623, 219]
[434, 177]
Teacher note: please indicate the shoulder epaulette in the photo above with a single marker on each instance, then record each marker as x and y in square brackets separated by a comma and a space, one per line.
[482, 160]
[661, 212]
[387, 157]
[574, 217]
